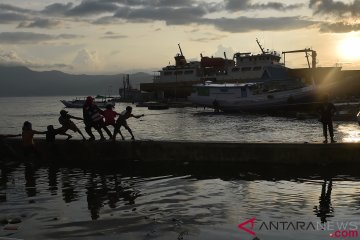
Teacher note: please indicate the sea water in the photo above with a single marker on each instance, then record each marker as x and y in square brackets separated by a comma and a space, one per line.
[136, 202]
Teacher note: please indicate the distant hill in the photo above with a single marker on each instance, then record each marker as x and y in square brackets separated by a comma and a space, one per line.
[21, 81]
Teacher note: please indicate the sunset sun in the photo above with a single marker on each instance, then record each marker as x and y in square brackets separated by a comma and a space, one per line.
[349, 48]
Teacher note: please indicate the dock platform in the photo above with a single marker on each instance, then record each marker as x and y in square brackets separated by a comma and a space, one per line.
[285, 154]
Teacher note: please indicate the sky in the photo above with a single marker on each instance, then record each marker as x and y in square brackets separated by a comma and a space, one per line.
[126, 36]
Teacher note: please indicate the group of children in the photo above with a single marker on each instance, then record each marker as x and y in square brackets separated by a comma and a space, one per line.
[93, 117]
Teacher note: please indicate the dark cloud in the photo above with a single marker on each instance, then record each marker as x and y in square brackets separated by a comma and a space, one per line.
[339, 27]
[245, 24]
[335, 8]
[30, 37]
[57, 9]
[178, 12]
[91, 7]
[155, 3]
[9, 17]
[40, 23]
[172, 16]
[11, 8]
[243, 5]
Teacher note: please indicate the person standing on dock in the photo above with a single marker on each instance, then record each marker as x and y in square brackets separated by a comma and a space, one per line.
[326, 111]
[66, 124]
[121, 121]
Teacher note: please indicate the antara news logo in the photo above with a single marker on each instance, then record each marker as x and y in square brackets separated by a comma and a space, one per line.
[338, 230]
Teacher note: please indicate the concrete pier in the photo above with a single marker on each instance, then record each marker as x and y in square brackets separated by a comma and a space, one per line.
[264, 154]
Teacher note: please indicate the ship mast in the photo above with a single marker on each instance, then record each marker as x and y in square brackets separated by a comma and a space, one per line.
[180, 50]
[262, 49]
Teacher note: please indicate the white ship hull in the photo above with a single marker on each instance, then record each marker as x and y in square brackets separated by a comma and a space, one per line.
[245, 97]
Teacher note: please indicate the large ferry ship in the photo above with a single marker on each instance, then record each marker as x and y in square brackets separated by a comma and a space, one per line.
[244, 67]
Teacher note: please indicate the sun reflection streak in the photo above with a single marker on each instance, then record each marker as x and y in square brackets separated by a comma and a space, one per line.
[349, 132]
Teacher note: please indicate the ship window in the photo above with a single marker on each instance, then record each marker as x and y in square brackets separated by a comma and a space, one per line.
[167, 73]
[189, 72]
[257, 68]
[245, 69]
[178, 73]
[203, 91]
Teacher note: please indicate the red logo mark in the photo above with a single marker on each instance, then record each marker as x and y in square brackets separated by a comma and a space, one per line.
[250, 231]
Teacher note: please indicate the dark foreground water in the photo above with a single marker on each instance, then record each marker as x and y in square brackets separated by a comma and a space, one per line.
[132, 203]
[172, 202]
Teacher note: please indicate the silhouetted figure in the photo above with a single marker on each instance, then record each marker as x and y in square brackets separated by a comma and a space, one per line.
[325, 209]
[109, 116]
[121, 121]
[52, 132]
[216, 106]
[326, 111]
[66, 123]
[28, 139]
[92, 118]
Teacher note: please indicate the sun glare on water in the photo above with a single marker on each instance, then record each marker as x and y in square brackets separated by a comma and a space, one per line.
[349, 48]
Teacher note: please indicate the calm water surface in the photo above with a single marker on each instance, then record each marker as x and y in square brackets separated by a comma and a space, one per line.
[179, 124]
[141, 202]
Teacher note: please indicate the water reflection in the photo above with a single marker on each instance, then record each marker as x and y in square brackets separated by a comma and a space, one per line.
[349, 132]
[147, 202]
[325, 209]
[30, 181]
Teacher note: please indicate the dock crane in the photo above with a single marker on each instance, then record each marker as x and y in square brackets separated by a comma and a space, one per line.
[308, 52]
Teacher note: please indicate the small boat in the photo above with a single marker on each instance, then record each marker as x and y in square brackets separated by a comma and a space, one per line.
[251, 96]
[101, 102]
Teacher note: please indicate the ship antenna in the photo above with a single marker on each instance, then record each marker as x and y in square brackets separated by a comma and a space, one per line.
[180, 50]
[262, 49]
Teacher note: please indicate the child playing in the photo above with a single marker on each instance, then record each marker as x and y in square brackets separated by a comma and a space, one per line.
[109, 116]
[65, 121]
[121, 121]
[52, 132]
[28, 139]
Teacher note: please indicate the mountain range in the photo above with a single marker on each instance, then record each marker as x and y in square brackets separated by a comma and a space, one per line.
[22, 81]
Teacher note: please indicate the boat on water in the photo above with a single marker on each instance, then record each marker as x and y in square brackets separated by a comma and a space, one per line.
[235, 97]
[99, 101]
[245, 67]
